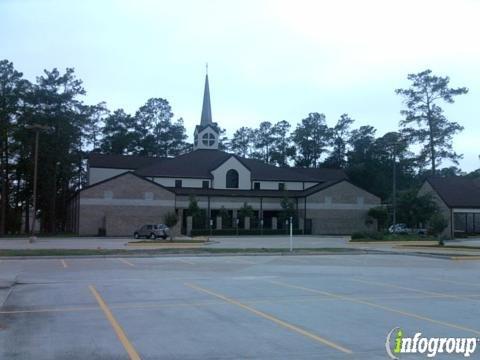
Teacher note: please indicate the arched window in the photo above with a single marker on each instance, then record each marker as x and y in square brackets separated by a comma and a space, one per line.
[232, 179]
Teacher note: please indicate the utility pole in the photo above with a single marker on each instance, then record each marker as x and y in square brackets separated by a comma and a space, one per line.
[37, 128]
[394, 184]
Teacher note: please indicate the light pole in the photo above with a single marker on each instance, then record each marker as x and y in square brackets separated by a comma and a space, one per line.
[37, 128]
[394, 185]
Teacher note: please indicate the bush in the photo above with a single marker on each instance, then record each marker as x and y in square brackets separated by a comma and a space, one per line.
[227, 232]
[380, 214]
[170, 219]
[437, 224]
[367, 235]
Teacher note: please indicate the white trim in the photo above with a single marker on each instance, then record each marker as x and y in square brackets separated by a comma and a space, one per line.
[467, 210]
[125, 202]
[337, 206]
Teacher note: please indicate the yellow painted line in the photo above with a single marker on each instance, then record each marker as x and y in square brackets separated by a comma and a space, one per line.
[377, 283]
[288, 258]
[132, 353]
[147, 306]
[64, 263]
[466, 257]
[64, 309]
[240, 261]
[273, 319]
[126, 262]
[386, 308]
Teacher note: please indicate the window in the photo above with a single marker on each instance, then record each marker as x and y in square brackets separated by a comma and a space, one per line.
[281, 186]
[178, 183]
[205, 184]
[208, 139]
[256, 185]
[232, 179]
[108, 194]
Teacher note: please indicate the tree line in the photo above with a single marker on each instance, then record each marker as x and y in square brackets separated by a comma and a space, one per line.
[55, 100]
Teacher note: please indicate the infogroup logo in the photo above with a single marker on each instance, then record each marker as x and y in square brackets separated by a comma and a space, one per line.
[397, 343]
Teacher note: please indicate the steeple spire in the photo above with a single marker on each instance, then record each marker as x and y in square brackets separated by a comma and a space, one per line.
[206, 108]
[207, 133]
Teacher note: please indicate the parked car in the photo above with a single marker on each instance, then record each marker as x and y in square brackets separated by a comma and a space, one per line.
[404, 229]
[398, 229]
[152, 231]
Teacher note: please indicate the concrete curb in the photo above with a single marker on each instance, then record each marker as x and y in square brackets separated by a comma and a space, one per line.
[299, 252]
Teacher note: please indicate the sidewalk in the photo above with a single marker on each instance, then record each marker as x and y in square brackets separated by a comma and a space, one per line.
[65, 243]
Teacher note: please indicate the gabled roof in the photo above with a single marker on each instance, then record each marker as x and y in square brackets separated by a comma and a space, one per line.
[457, 191]
[126, 173]
[256, 193]
[115, 161]
[195, 164]
[262, 171]
[200, 163]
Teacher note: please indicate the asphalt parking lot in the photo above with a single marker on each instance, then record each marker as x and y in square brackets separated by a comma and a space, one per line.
[231, 307]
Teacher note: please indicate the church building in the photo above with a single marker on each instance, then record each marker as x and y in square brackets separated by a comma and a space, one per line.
[127, 191]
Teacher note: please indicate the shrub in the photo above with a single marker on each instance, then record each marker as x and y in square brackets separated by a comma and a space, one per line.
[245, 211]
[226, 232]
[170, 219]
[380, 214]
[437, 224]
[367, 235]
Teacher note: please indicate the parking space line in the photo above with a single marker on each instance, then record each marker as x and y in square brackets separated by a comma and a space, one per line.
[240, 261]
[378, 306]
[288, 258]
[64, 309]
[153, 306]
[272, 318]
[132, 353]
[186, 261]
[451, 281]
[377, 283]
[126, 262]
[64, 264]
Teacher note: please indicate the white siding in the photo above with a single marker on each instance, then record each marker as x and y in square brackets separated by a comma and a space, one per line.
[273, 185]
[310, 184]
[219, 174]
[200, 144]
[99, 174]
[170, 182]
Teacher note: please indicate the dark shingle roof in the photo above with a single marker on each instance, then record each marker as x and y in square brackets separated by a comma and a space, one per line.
[200, 163]
[253, 193]
[115, 161]
[457, 191]
[195, 164]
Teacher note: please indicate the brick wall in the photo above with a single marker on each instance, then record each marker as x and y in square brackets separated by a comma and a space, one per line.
[130, 203]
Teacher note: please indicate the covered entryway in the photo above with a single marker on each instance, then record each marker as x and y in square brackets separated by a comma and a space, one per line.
[466, 222]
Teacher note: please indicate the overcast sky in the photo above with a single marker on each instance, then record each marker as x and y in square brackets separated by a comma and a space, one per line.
[268, 60]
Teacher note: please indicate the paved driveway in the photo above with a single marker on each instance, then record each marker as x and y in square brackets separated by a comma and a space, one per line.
[224, 308]
[277, 242]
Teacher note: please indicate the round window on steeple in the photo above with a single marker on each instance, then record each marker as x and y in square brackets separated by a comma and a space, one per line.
[208, 139]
